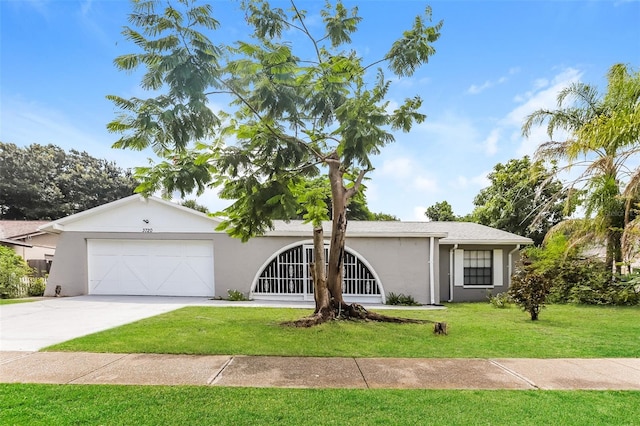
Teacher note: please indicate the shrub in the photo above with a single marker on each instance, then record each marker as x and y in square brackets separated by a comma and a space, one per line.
[12, 269]
[624, 290]
[36, 287]
[236, 296]
[500, 300]
[401, 299]
[575, 279]
[529, 289]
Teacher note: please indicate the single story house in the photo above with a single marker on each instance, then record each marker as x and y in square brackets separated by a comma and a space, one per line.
[33, 245]
[149, 246]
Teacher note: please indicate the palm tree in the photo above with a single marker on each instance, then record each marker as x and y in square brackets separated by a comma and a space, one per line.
[602, 139]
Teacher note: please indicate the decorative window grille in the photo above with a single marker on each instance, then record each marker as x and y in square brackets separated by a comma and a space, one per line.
[477, 267]
[288, 274]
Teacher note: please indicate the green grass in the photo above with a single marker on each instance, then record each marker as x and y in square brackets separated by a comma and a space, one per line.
[14, 301]
[180, 405]
[476, 331]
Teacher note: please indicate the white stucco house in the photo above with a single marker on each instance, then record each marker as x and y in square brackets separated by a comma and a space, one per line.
[149, 246]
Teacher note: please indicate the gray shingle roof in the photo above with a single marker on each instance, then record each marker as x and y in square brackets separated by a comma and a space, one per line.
[449, 232]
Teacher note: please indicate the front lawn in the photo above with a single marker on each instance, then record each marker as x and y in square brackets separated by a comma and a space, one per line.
[182, 405]
[476, 331]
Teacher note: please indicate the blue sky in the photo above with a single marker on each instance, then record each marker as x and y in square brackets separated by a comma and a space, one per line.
[496, 62]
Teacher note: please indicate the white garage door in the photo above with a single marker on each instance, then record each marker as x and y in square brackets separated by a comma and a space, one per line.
[150, 267]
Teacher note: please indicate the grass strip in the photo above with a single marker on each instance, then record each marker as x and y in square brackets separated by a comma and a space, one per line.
[153, 405]
[14, 301]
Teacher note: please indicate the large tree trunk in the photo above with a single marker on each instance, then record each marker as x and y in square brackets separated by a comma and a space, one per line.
[339, 199]
[318, 274]
[614, 250]
[328, 287]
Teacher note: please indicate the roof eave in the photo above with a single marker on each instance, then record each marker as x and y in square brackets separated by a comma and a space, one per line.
[352, 234]
[15, 242]
[486, 242]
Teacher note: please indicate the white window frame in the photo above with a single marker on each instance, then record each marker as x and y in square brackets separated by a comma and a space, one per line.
[496, 269]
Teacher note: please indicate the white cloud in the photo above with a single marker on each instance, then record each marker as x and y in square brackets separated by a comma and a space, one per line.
[425, 184]
[407, 173]
[448, 129]
[542, 96]
[418, 214]
[475, 89]
[397, 168]
[479, 181]
[491, 142]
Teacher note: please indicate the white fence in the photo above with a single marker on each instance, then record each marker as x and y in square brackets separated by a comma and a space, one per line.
[28, 286]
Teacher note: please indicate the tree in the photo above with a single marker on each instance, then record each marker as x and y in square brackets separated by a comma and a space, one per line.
[441, 211]
[602, 138]
[12, 269]
[299, 107]
[193, 204]
[523, 198]
[384, 217]
[357, 209]
[43, 182]
[529, 288]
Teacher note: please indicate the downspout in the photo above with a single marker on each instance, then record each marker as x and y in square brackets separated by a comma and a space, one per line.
[451, 270]
[432, 275]
[510, 257]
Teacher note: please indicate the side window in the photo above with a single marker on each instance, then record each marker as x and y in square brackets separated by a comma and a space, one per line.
[478, 267]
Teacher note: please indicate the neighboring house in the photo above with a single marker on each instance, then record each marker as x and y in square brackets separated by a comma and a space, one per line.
[34, 246]
[139, 246]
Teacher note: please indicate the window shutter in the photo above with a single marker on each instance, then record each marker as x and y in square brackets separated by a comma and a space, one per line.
[498, 280]
[458, 262]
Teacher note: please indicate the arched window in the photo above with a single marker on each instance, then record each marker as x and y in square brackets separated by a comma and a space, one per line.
[285, 276]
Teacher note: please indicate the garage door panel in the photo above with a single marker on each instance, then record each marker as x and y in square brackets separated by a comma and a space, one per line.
[158, 267]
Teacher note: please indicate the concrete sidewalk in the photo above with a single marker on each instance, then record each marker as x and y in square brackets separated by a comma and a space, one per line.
[303, 372]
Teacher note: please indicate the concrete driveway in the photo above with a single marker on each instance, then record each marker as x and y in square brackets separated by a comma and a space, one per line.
[35, 325]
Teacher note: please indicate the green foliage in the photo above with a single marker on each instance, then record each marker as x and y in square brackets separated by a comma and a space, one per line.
[500, 300]
[236, 296]
[12, 269]
[45, 182]
[401, 299]
[603, 139]
[622, 291]
[193, 204]
[523, 198]
[576, 279]
[36, 287]
[529, 289]
[441, 211]
[294, 110]
[383, 217]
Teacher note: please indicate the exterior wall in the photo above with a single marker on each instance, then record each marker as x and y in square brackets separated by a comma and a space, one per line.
[237, 263]
[69, 268]
[44, 246]
[469, 293]
[402, 264]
